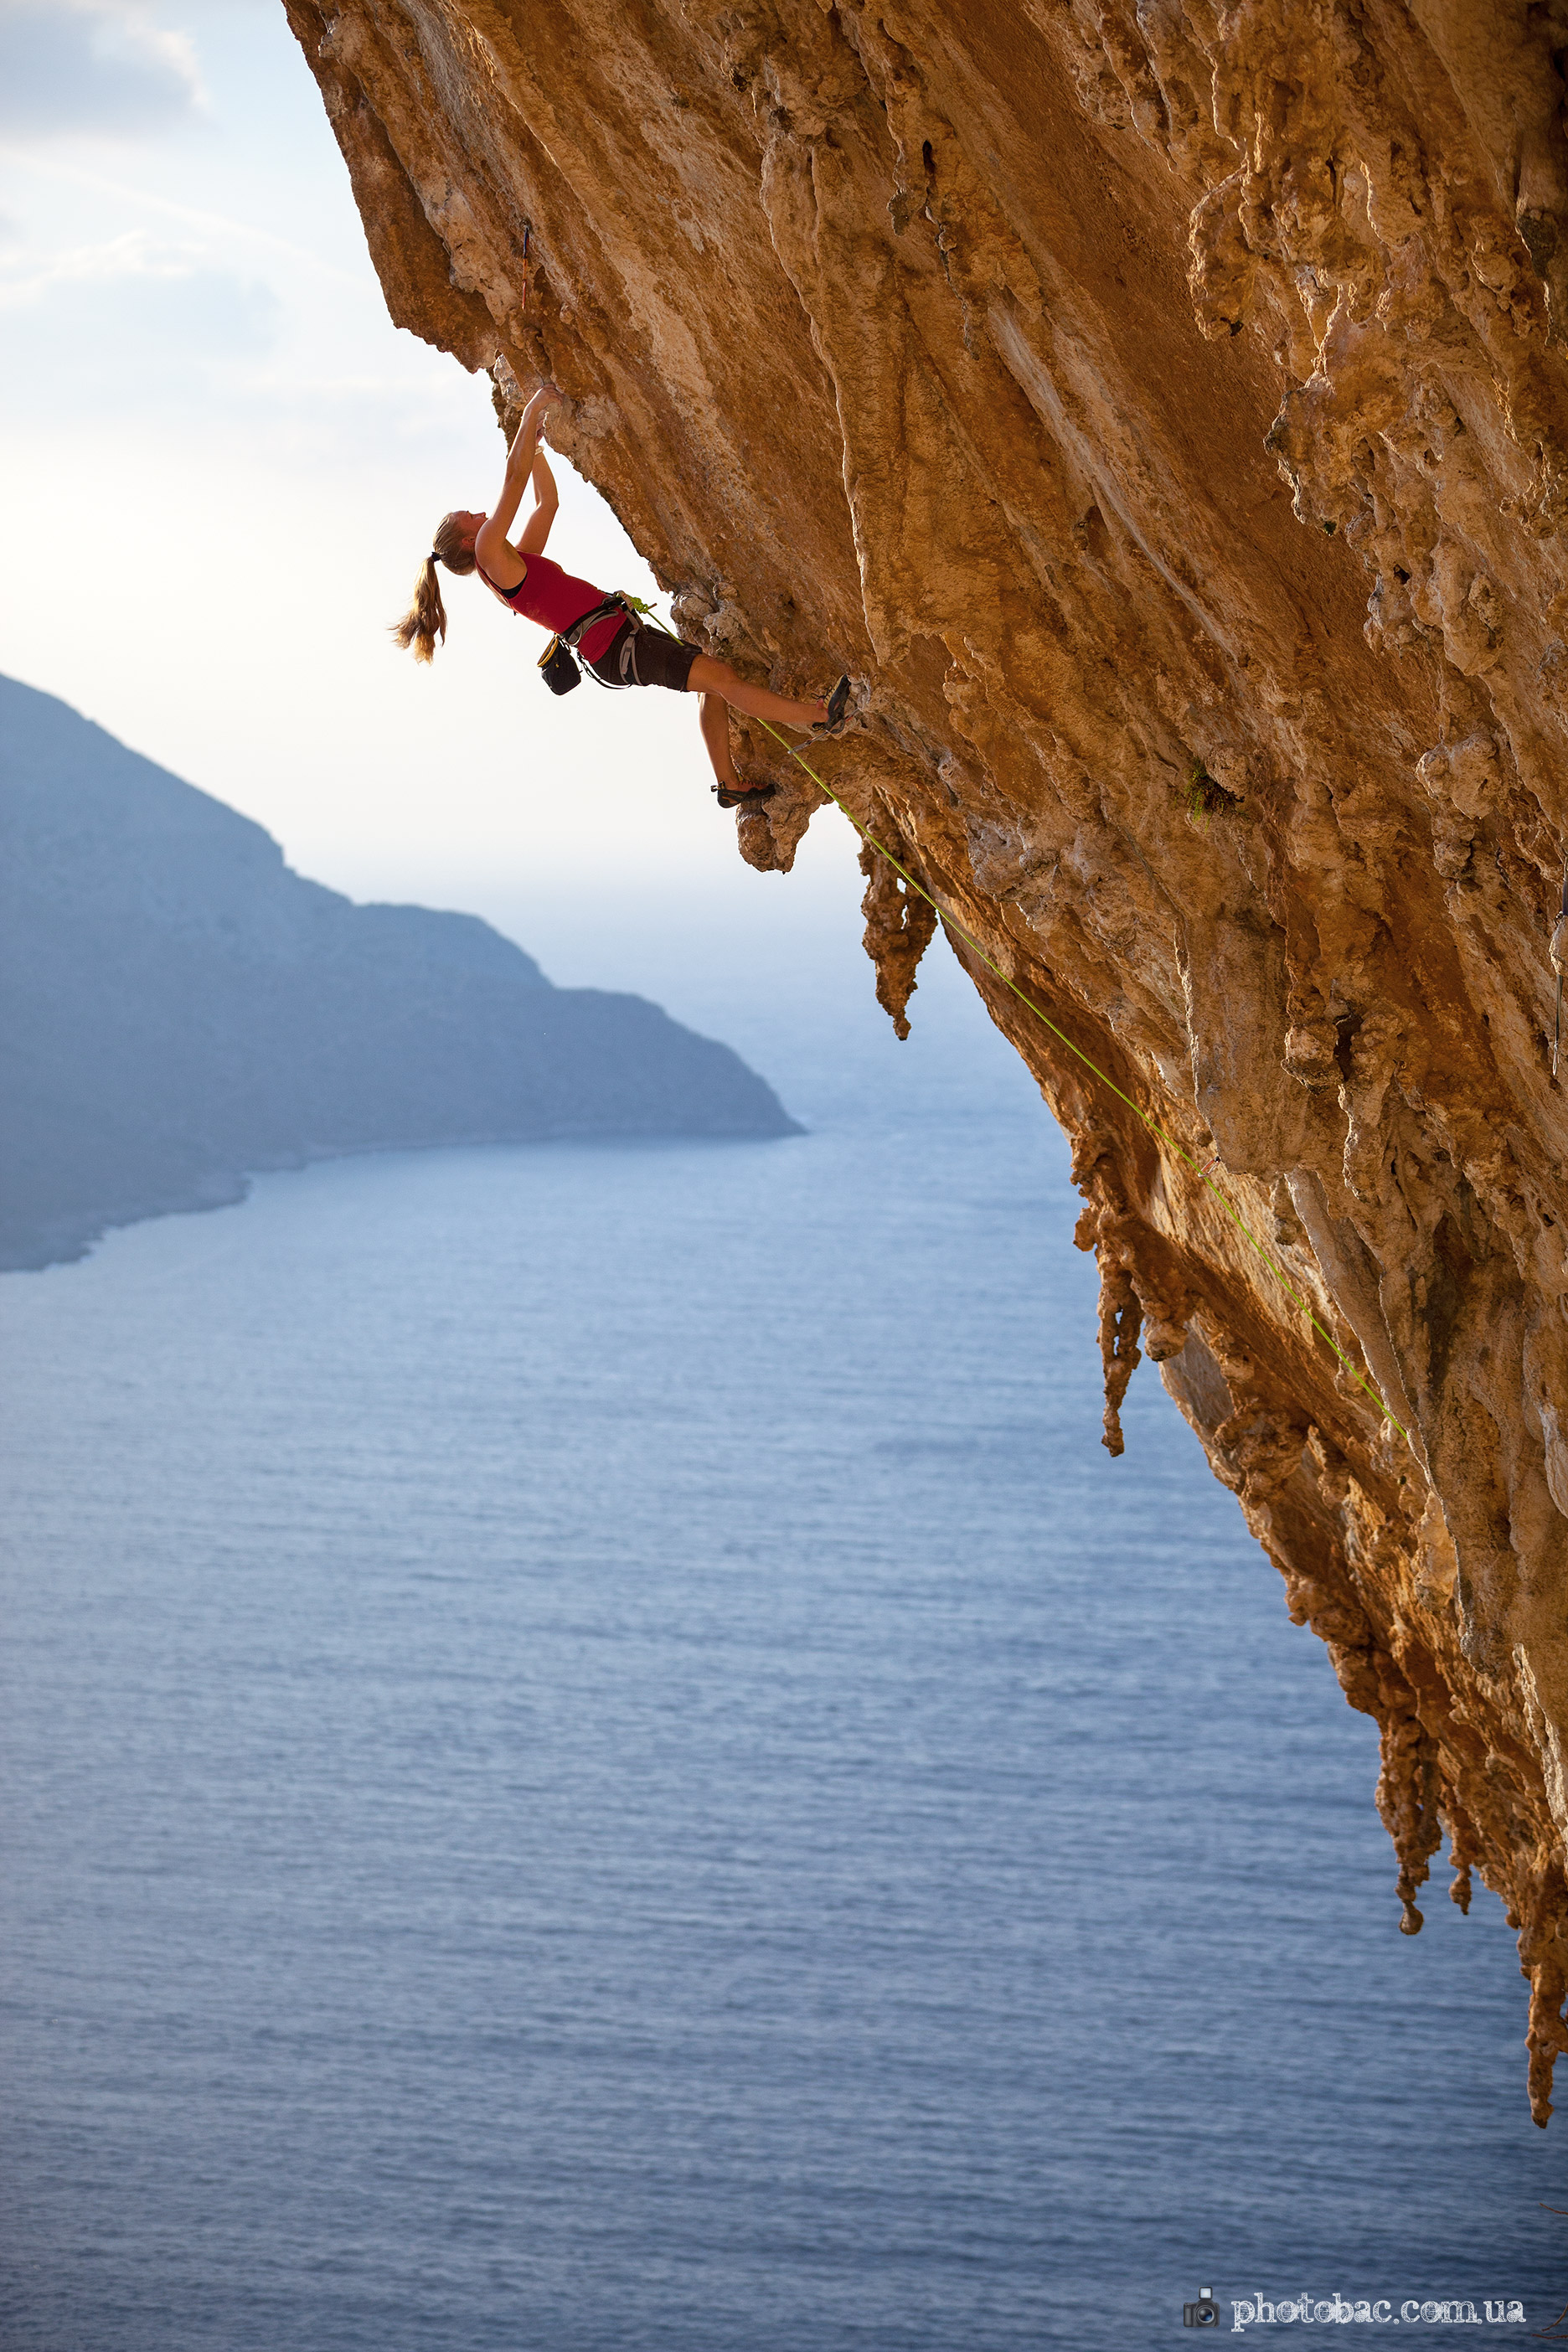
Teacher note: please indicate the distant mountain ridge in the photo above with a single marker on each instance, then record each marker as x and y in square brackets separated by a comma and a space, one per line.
[178, 1010]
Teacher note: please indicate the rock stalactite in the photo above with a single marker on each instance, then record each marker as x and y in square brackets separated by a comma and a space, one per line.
[900, 926]
[1162, 410]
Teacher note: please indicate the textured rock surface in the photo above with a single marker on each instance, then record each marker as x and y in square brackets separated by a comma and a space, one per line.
[1160, 409]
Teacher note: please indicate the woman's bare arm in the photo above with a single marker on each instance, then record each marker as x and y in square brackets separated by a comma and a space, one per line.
[491, 546]
[545, 500]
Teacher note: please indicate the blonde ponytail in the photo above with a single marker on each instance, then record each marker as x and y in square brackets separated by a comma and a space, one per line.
[426, 619]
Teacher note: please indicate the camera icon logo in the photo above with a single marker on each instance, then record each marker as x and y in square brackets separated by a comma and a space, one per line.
[1204, 2312]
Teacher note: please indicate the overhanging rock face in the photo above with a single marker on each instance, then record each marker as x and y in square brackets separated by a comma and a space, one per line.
[1160, 410]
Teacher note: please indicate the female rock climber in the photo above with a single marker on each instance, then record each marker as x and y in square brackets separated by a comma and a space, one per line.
[524, 578]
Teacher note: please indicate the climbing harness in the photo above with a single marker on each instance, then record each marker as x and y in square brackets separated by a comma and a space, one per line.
[558, 661]
[956, 928]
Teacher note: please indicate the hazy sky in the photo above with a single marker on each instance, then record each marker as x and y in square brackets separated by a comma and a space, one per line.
[221, 465]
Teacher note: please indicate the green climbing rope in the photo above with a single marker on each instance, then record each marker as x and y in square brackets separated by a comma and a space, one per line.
[951, 924]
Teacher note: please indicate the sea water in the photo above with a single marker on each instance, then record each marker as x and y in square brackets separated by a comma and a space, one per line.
[598, 1757]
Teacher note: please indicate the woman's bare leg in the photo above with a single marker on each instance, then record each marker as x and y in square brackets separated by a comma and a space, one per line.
[715, 719]
[709, 676]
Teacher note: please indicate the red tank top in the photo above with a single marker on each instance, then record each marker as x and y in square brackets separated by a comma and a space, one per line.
[554, 599]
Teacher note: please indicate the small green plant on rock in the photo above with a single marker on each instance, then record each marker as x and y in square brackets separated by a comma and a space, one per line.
[1204, 795]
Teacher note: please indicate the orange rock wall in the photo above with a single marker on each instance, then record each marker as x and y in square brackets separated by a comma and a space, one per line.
[1160, 410]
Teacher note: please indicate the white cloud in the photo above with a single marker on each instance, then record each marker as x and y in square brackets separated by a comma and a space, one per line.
[153, 316]
[131, 255]
[93, 68]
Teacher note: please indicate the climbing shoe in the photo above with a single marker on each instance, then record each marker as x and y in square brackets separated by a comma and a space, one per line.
[743, 795]
[837, 709]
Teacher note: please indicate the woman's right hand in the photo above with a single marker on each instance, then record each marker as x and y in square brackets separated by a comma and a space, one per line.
[519, 460]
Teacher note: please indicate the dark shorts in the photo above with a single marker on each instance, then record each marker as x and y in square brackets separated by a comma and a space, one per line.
[656, 659]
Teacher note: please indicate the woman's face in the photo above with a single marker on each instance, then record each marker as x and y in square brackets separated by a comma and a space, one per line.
[469, 525]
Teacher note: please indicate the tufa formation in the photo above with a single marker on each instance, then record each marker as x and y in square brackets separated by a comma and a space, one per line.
[1161, 408]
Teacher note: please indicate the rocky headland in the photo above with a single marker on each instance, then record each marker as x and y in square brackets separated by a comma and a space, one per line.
[1160, 409]
[180, 1011]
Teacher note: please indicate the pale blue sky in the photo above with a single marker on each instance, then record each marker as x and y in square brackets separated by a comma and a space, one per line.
[221, 464]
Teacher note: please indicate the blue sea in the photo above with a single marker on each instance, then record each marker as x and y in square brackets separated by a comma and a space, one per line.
[597, 1759]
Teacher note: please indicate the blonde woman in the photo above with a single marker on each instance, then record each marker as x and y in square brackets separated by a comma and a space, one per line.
[616, 645]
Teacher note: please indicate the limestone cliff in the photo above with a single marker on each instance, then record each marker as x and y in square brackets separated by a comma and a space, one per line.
[1161, 408]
